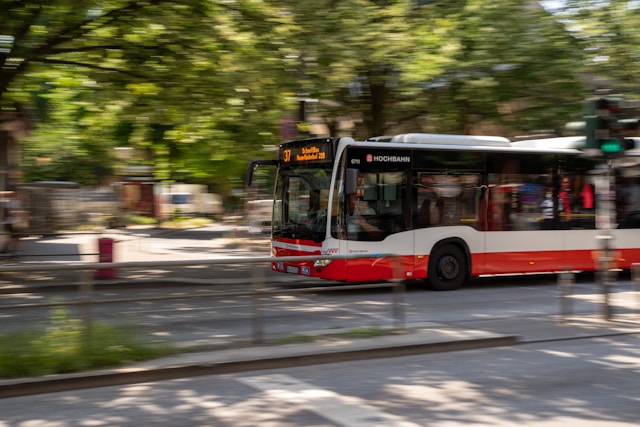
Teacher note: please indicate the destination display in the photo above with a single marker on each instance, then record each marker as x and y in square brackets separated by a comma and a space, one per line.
[309, 151]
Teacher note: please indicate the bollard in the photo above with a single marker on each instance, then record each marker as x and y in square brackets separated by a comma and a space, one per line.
[399, 290]
[399, 323]
[257, 320]
[565, 283]
[105, 254]
[86, 301]
[607, 279]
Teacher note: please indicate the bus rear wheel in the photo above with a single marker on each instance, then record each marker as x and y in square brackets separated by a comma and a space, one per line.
[447, 268]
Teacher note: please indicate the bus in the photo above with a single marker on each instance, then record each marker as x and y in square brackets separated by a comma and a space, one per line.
[450, 207]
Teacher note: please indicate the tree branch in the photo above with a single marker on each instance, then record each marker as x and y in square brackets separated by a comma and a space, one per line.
[84, 27]
[87, 65]
[22, 32]
[60, 51]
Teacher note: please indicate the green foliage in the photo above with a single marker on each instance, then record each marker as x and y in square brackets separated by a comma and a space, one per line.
[198, 87]
[371, 332]
[139, 220]
[296, 339]
[171, 79]
[608, 34]
[67, 346]
[185, 222]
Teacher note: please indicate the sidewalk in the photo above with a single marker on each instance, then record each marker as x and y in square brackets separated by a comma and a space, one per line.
[416, 339]
[143, 244]
[329, 346]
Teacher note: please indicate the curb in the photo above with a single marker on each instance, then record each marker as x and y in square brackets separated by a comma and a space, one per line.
[135, 283]
[248, 359]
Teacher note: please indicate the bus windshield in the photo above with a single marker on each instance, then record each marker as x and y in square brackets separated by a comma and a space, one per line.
[300, 206]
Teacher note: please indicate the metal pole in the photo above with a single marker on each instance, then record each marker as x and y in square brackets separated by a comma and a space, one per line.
[399, 306]
[565, 283]
[399, 290]
[86, 298]
[607, 279]
[257, 320]
[635, 278]
[605, 218]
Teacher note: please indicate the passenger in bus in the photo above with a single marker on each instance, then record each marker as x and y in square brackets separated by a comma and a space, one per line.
[423, 215]
[430, 213]
[565, 197]
[439, 212]
[548, 219]
[587, 196]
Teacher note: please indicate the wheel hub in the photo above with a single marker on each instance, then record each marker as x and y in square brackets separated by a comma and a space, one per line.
[449, 267]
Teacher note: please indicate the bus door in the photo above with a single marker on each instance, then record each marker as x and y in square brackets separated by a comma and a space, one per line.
[376, 222]
[448, 206]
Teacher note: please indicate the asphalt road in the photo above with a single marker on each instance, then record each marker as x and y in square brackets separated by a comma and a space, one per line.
[210, 315]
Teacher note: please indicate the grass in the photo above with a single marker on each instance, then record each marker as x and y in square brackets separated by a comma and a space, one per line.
[177, 222]
[296, 339]
[351, 333]
[365, 332]
[68, 345]
[139, 220]
[185, 222]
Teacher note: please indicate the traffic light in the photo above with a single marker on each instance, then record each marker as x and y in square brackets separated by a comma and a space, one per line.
[606, 127]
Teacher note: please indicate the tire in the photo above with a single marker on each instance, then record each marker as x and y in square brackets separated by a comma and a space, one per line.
[447, 268]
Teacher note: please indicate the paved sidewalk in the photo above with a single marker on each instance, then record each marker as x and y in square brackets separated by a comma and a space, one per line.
[130, 245]
[416, 339]
[328, 346]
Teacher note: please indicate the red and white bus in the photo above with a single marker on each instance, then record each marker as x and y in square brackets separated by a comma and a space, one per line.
[451, 207]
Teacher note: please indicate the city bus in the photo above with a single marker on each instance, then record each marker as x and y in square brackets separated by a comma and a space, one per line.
[449, 207]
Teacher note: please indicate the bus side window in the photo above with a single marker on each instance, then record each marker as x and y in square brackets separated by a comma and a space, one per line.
[423, 214]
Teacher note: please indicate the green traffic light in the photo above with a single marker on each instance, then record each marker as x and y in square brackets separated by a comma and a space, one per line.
[611, 146]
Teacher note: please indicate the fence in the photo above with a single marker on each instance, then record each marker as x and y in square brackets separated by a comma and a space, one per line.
[53, 206]
[257, 294]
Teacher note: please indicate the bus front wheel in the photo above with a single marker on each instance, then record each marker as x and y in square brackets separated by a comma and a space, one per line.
[447, 268]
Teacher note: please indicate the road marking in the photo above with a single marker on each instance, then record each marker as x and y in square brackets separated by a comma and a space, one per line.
[343, 410]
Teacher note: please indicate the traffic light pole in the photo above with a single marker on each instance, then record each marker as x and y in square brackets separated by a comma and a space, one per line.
[605, 218]
[609, 121]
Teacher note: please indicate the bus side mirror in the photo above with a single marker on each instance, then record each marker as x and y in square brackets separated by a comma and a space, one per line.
[254, 165]
[351, 181]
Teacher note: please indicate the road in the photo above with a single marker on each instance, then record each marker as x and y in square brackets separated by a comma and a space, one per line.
[583, 383]
[206, 320]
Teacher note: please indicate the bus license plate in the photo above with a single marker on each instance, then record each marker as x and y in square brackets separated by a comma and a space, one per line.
[292, 269]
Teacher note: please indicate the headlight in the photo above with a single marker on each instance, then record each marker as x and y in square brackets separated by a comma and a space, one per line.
[321, 262]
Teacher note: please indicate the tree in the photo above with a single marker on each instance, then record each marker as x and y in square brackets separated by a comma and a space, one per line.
[154, 75]
[198, 87]
[514, 65]
[609, 39]
[445, 66]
